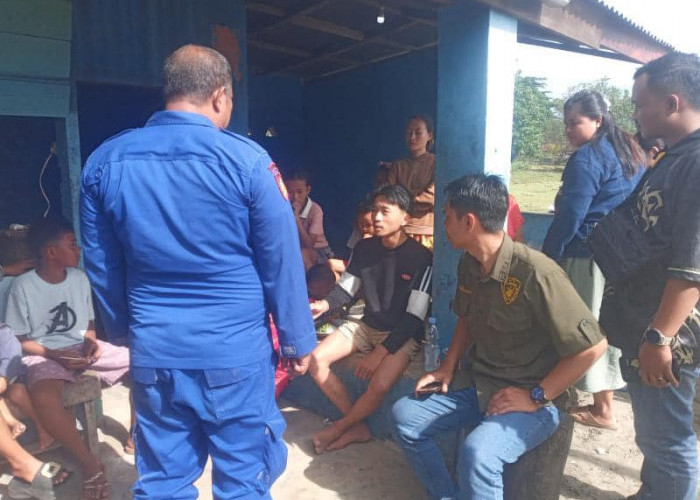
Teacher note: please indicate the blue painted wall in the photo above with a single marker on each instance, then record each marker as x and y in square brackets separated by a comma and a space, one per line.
[105, 110]
[355, 119]
[124, 42]
[277, 101]
[24, 145]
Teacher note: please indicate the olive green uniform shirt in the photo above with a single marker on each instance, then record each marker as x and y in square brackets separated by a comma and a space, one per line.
[523, 318]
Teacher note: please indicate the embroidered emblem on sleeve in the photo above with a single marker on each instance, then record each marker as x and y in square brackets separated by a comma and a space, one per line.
[278, 179]
[510, 289]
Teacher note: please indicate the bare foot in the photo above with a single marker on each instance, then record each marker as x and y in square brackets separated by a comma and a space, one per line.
[358, 433]
[586, 415]
[325, 437]
[17, 428]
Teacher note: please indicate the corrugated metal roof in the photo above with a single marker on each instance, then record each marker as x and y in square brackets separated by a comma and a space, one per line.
[630, 22]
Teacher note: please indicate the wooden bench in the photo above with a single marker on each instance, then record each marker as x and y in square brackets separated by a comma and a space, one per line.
[83, 395]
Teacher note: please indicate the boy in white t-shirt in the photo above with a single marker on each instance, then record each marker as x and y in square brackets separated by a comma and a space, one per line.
[50, 310]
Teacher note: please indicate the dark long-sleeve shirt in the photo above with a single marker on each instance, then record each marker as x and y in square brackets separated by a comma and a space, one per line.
[396, 286]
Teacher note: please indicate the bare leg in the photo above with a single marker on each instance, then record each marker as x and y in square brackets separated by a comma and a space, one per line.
[599, 414]
[47, 397]
[334, 347]
[351, 428]
[129, 447]
[18, 394]
[602, 406]
[16, 427]
[24, 466]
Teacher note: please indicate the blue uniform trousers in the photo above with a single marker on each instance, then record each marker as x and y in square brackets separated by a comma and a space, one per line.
[184, 416]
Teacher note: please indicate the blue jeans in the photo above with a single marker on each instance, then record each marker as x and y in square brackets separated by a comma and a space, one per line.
[185, 416]
[663, 425]
[495, 441]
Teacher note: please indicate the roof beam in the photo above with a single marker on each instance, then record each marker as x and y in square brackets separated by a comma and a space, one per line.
[327, 27]
[584, 22]
[265, 9]
[273, 47]
[373, 61]
[332, 54]
[398, 12]
[289, 16]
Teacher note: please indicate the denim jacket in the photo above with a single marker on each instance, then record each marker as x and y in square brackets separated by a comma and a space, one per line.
[593, 183]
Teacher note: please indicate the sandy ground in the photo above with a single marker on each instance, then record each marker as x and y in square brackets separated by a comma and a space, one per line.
[602, 465]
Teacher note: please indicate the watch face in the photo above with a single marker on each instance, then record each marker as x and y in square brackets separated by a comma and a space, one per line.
[653, 336]
[538, 394]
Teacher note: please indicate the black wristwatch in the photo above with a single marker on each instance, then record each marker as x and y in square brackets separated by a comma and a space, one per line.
[656, 337]
[538, 396]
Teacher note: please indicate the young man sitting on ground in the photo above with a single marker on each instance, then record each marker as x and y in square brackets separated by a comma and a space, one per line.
[531, 338]
[395, 274]
[50, 310]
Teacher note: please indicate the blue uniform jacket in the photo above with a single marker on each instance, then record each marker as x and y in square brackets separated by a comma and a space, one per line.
[593, 183]
[189, 241]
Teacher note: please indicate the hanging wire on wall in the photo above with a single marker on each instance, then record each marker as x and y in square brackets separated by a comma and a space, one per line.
[52, 153]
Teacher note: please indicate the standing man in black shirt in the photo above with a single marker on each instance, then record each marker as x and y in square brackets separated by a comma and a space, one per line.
[395, 274]
[651, 311]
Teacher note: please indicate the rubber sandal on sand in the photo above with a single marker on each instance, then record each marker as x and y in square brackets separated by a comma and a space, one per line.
[96, 488]
[582, 415]
[48, 477]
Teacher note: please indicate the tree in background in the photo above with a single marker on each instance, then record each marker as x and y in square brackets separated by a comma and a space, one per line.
[532, 114]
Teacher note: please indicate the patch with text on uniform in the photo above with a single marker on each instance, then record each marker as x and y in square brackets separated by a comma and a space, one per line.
[510, 289]
[278, 179]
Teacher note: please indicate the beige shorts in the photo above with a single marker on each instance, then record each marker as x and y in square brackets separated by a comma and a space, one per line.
[365, 338]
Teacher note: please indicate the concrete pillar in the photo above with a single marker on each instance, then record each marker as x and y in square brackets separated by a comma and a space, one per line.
[476, 78]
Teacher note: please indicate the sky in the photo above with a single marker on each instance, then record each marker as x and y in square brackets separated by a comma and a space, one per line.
[675, 23]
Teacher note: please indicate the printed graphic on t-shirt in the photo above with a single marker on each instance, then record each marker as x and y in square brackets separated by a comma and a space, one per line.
[63, 319]
[649, 203]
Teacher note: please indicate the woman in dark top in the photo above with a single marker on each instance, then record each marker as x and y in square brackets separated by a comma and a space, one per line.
[598, 176]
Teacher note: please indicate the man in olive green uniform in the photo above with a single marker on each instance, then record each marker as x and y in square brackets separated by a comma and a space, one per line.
[531, 337]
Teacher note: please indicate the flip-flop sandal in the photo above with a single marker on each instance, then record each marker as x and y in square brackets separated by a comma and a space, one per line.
[582, 415]
[48, 477]
[96, 487]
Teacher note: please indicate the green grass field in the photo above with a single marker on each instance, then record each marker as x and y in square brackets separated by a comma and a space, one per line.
[535, 185]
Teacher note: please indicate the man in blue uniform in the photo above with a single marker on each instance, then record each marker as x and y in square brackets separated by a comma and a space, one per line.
[189, 242]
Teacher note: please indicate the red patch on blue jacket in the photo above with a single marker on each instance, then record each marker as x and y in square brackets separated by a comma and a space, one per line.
[278, 179]
[406, 277]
